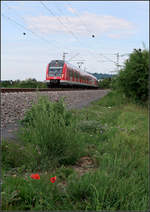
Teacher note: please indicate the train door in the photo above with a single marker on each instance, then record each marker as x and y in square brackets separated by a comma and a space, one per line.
[78, 77]
[73, 72]
[68, 74]
[64, 72]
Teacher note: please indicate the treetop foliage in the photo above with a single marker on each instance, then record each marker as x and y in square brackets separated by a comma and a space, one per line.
[133, 78]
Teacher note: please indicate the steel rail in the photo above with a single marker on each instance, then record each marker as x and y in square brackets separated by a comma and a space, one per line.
[12, 90]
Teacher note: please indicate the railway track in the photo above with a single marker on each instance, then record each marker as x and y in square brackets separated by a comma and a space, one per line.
[11, 90]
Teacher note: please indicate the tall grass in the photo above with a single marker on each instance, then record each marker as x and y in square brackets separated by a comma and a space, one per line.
[51, 128]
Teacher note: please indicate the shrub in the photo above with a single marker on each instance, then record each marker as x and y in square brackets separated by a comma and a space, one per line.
[28, 194]
[113, 98]
[18, 156]
[55, 108]
[105, 83]
[52, 128]
[28, 83]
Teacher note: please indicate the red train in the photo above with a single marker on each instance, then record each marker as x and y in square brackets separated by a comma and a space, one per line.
[60, 73]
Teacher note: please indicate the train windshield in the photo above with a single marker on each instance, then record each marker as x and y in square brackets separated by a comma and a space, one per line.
[55, 71]
[55, 68]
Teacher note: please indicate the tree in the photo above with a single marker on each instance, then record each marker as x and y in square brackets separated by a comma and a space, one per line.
[133, 79]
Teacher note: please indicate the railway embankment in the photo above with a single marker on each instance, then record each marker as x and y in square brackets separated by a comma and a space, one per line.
[97, 153]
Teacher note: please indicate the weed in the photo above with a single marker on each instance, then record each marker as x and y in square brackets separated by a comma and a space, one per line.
[18, 156]
[52, 129]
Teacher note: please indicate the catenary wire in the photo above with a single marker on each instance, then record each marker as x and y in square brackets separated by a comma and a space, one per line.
[12, 20]
[77, 14]
[59, 20]
[41, 37]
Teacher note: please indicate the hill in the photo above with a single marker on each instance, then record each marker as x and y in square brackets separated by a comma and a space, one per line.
[102, 76]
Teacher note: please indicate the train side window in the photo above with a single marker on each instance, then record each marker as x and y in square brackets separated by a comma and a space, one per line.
[70, 73]
[78, 77]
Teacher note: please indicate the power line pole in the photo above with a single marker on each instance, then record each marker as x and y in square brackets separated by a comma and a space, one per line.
[80, 63]
[64, 54]
[118, 59]
[117, 63]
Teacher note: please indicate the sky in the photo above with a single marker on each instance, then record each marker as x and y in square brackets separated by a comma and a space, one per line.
[93, 32]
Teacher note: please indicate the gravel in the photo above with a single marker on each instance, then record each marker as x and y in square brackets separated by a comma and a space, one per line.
[14, 105]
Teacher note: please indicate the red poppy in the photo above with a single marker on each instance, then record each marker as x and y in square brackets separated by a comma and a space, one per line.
[35, 176]
[53, 179]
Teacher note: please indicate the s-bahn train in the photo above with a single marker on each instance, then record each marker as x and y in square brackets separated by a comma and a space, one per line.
[60, 73]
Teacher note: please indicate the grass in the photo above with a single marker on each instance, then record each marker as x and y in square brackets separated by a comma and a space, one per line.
[106, 142]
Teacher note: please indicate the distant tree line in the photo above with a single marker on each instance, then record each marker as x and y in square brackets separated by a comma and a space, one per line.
[28, 83]
[102, 76]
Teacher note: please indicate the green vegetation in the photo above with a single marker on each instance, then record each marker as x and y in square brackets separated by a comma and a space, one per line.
[49, 126]
[105, 83]
[99, 155]
[29, 83]
[133, 78]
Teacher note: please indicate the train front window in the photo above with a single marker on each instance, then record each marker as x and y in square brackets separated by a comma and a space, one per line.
[55, 71]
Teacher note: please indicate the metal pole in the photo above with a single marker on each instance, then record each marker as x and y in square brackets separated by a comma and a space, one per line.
[79, 64]
[118, 62]
[64, 54]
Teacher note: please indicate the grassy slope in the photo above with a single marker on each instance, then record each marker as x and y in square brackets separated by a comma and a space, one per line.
[115, 137]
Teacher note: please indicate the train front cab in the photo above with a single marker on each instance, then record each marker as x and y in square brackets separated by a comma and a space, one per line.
[54, 73]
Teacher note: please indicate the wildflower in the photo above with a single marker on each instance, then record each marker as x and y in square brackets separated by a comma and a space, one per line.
[35, 176]
[53, 179]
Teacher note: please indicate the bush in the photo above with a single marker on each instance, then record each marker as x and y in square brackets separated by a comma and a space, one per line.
[28, 83]
[51, 128]
[113, 98]
[105, 83]
[58, 108]
[133, 79]
[18, 156]
[28, 194]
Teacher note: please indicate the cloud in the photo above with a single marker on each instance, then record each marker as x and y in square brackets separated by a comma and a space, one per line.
[18, 6]
[122, 34]
[70, 9]
[97, 24]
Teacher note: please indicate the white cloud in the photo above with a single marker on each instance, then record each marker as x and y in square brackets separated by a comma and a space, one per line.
[120, 34]
[18, 6]
[70, 9]
[98, 24]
